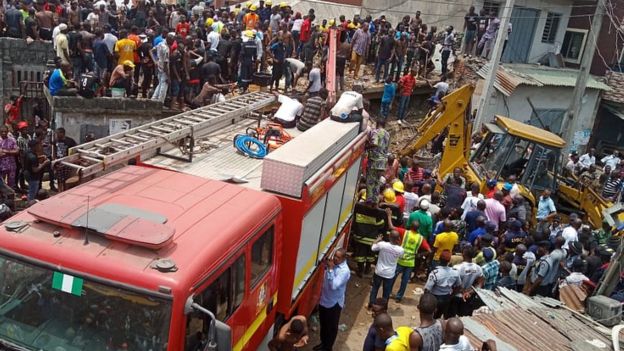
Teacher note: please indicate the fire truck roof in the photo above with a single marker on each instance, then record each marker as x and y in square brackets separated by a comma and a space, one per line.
[140, 218]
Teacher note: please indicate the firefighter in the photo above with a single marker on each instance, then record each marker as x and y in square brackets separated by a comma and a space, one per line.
[370, 221]
[248, 60]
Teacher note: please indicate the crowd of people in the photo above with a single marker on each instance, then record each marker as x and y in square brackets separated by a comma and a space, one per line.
[192, 53]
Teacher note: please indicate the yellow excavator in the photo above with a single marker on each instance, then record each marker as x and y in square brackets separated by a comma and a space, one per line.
[508, 147]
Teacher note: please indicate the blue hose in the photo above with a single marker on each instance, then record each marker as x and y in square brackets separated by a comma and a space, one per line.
[242, 143]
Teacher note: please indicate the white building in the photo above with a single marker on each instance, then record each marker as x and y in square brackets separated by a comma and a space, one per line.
[540, 96]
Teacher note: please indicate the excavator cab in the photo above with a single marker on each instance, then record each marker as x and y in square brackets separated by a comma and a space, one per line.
[504, 151]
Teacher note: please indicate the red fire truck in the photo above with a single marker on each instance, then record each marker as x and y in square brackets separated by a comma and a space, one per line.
[196, 247]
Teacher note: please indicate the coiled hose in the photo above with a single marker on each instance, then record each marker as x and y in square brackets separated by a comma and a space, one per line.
[243, 143]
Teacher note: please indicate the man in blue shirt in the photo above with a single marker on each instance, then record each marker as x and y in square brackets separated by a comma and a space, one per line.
[59, 85]
[388, 95]
[546, 210]
[337, 275]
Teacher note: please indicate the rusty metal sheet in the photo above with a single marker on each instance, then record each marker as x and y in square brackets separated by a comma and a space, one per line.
[573, 297]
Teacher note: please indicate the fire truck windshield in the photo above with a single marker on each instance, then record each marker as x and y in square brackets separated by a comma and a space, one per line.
[41, 309]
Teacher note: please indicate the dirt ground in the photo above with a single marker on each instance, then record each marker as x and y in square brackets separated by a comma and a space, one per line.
[356, 319]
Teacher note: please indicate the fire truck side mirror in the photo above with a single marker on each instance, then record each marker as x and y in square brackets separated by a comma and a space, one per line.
[219, 336]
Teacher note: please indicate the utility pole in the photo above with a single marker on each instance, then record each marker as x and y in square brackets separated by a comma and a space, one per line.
[570, 121]
[482, 109]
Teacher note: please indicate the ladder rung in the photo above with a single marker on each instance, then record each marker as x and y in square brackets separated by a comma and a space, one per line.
[173, 125]
[92, 159]
[162, 129]
[134, 136]
[122, 142]
[149, 132]
[73, 165]
[183, 121]
[84, 153]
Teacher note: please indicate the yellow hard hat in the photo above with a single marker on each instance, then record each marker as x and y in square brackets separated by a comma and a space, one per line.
[363, 196]
[249, 34]
[331, 22]
[253, 7]
[209, 22]
[268, 2]
[128, 63]
[351, 26]
[283, 4]
[389, 196]
[248, 4]
[398, 186]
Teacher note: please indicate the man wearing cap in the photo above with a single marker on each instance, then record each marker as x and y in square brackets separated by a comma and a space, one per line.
[248, 57]
[536, 282]
[423, 218]
[442, 282]
[121, 77]
[251, 19]
[490, 268]
[514, 236]
[160, 56]
[62, 44]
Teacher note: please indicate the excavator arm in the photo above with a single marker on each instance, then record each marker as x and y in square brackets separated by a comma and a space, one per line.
[453, 113]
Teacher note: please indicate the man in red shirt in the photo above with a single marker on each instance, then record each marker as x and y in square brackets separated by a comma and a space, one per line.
[406, 88]
[183, 28]
[306, 30]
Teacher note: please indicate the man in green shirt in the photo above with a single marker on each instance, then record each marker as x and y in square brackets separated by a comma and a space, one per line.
[424, 219]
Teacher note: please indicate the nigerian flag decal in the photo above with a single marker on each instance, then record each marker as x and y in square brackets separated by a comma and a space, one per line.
[67, 283]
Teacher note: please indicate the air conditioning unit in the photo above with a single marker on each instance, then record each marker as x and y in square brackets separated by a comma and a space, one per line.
[604, 310]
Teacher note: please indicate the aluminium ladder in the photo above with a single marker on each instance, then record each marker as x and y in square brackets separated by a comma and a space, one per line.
[99, 155]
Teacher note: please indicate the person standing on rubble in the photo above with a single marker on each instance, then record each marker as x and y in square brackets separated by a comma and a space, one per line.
[406, 88]
[360, 43]
[378, 143]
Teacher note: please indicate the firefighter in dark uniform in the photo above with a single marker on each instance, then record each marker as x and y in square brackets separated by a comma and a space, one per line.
[248, 57]
[370, 221]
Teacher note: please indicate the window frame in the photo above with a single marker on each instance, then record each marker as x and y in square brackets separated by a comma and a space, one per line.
[254, 281]
[488, 6]
[585, 32]
[553, 30]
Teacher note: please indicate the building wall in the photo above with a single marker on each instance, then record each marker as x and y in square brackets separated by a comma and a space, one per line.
[538, 49]
[543, 98]
[611, 41]
[20, 61]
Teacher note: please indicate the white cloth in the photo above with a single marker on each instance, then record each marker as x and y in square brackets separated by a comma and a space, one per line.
[411, 201]
[213, 38]
[289, 109]
[296, 66]
[569, 234]
[575, 278]
[388, 257]
[110, 41]
[586, 161]
[611, 161]
[462, 345]
[470, 203]
[349, 101]
[297, 25]
[441, 89]
[315, 78]
[468, 272]
[515, 190]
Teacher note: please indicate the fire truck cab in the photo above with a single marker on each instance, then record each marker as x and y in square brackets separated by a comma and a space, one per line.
[166, 255]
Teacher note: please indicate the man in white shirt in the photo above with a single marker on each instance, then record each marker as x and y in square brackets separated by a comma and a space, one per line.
[349, 101]
[213, 38]
[389, 254]
[588, 159]
[570, 233]
[287, 113]
[441, 87]
[294, 70]
[470, 203]
[612, 160]
[471, 275]
[314, 78]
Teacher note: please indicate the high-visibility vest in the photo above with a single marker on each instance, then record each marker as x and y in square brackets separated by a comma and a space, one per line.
[411, 244]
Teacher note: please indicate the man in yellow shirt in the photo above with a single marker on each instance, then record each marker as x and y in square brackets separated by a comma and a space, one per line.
[395, 340]
[124, 48]
[445, 240]
[251, 19]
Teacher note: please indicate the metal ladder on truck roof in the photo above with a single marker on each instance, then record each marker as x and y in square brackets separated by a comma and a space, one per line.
[99, 155]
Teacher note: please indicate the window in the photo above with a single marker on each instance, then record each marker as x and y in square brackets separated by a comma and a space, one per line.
[573, 45]
[491, 6]
[551, 27]
[261, 256]
[226, 293]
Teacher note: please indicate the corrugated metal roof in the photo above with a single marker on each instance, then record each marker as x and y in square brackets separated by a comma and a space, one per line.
[509, 77]
[527, 323]
[616, 81]
[573, 297]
